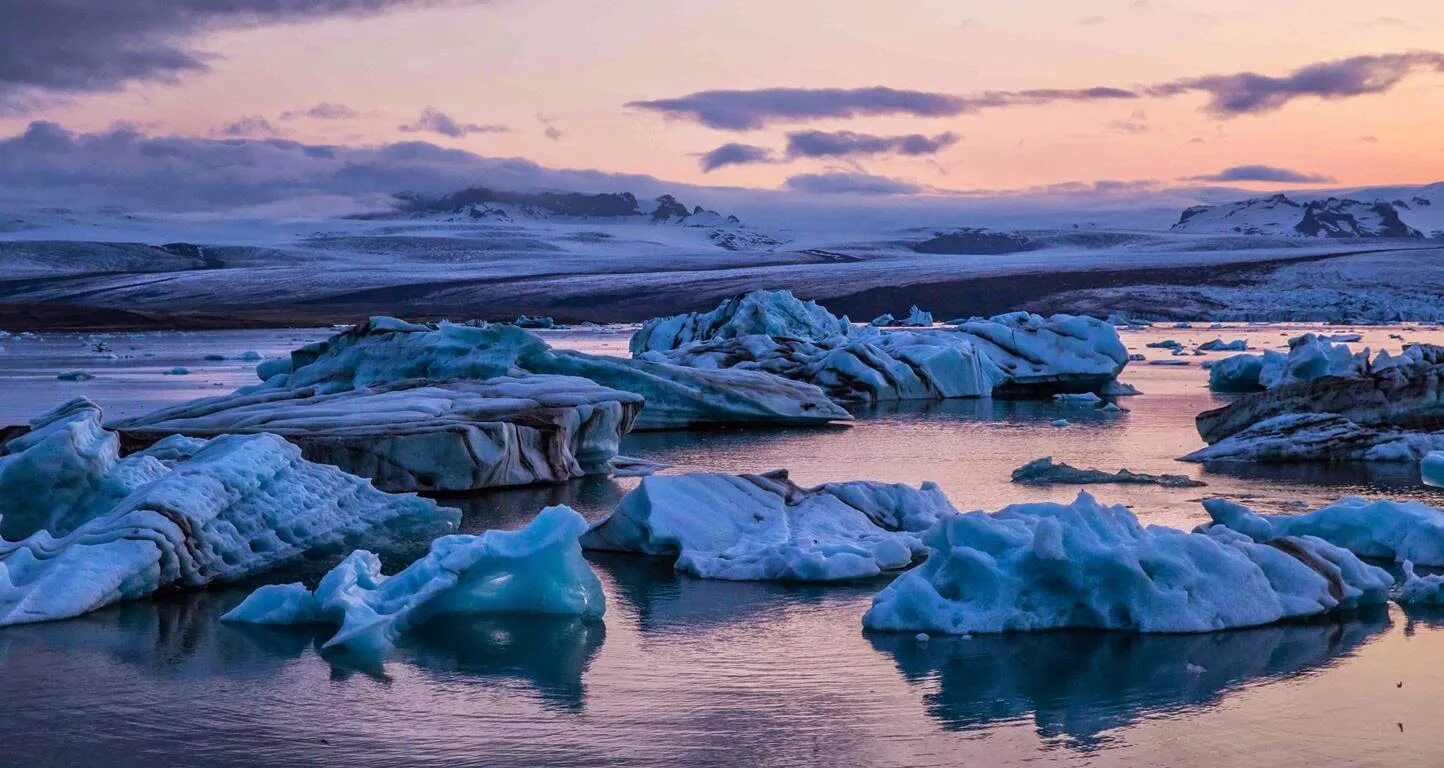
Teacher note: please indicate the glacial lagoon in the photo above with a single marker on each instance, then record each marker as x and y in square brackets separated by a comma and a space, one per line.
[705, 672]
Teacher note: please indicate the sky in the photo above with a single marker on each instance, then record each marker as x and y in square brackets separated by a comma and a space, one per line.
[912, 97]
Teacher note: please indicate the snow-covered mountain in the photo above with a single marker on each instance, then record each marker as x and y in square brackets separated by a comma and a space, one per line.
[1336, 217]
[482, 203]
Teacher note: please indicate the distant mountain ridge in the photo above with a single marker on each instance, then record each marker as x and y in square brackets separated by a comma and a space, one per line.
[1332, 217]
[506, 205]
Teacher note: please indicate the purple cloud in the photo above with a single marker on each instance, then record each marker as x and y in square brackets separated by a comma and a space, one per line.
[433, 120]
[253, 125]
[1252, 93]
[54, 48]
[735, 154]
[324, 110]
[843, 183]
[1266, 173]
[850, 144]
[750, 110]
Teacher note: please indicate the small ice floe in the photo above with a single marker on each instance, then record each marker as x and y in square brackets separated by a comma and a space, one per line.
[1420, 590]
[1219, 345]
[917, 318]
[1058, 423]
[1183, 325]
[179, 370]
[1113, 408]
[535, 323]
[632, 466]
[921, 637]
[1165, 344]
[250, 356]
[1136, 357]
[536, 570]
[883, 320]
[1045, 471]
[1077, 398]
[214, 358]
[74, 376]
[1170, 362]
[1118, 388]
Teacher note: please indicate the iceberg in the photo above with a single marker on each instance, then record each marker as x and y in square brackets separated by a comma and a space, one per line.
[418, 435]
[773, 331]
[917, 318]
[84, 528]
[1318, 437]
[1085, 565]
[1386, 530]
[759, 313]
[1045, 472]
[1240, 373]
[537, 570]
[1431, 469]
[386, 350]
[1310, 357]
[1219, 345]
[765, 527]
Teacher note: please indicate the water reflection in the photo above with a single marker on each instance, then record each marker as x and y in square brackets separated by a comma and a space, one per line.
[1078, 686]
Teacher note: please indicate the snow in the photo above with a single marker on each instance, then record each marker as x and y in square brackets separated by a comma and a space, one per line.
[1280, 215]
[386, 350]
[538, 570]
[1045, 471]
[1390, 530]
[764, 527]
[419, 436]
[1085, 565]
[85, 529]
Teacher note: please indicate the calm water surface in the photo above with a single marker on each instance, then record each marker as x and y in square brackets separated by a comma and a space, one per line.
[715, 673]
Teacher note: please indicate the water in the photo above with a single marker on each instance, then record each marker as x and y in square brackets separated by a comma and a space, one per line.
[686, 671]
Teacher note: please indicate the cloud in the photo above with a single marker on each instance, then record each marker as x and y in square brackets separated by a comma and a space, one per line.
[734, 154]
[47, 165]
[850, 144]
[551, 131]
[1231, 94]
[750, 110]
[433, 120]
[1252, 93]
[324, 110]
[1137, 122]
[1265, 173]
[844, 183]
[253, 125]
[56, 48]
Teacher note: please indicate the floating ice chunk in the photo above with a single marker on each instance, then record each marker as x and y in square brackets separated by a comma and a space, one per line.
[251, 356]
[1240, 373]
[1077, 398]
[1117, 388]
[273, 367]
[759, 313]
[1165, 344]
[1329, 437]
[1045, 472]
[538, 569]
[1219, 345]
[1311, 357]
[917, 318]
[74, 376]
[184, 513]
[1067, 353]
[883, 320]
[214, 358]
[1137, 358]
[1420, 590]
[177, 371]
[1058, 423]
[1050, 566]
[764, 527]
[1169, 362]
[1392, 530]
[539, 322]
[1431, 469]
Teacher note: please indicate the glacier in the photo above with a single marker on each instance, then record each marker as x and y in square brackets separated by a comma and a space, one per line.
[536, 570]
[766, 528]
[421, 435]
[1085, 565]
[85, 528]
[1386, 530]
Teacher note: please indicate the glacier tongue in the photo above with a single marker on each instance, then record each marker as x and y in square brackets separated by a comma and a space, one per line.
[1085, 565]
[185, 513]
[538, 569]
[764, 527]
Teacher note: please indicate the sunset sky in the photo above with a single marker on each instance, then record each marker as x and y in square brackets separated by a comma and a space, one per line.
[925, 95]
